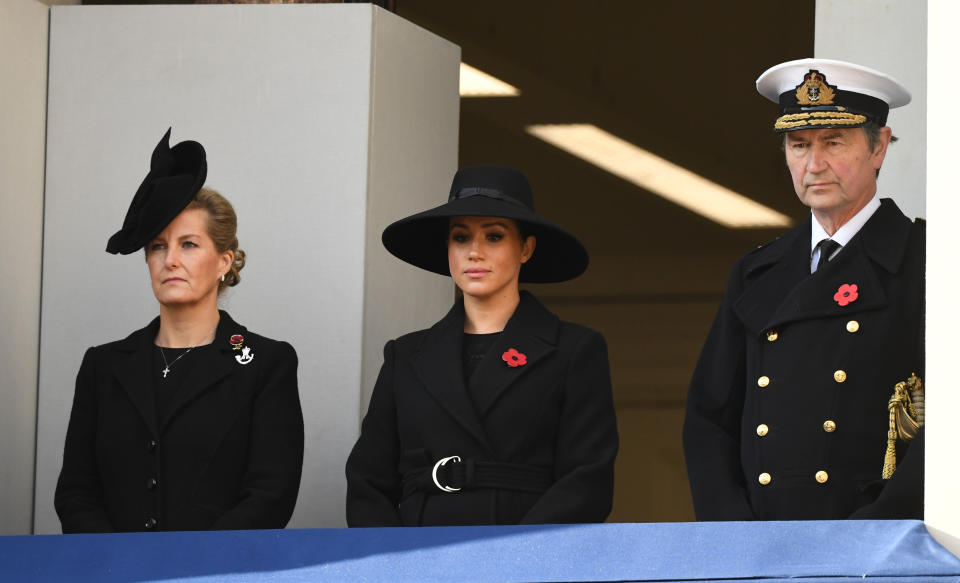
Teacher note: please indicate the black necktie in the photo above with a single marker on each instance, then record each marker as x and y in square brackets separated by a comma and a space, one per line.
[827, 248]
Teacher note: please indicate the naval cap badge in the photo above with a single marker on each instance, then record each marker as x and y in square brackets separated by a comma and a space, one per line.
[815, 90]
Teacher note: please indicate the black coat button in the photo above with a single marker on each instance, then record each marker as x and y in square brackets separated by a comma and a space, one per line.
[151, 483]
[150, 524]
[152, 445]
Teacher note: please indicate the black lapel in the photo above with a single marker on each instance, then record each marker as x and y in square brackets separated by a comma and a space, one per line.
[219, 367]
[439, 367]
[532, 331]
[133, 371]
[885, 235]
[771, 273]
[787, 292]
[813, 297]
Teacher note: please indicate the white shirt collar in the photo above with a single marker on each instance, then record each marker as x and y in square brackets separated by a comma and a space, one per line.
[848, 230]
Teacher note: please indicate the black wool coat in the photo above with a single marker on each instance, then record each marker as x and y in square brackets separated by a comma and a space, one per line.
[554, 413]
[793, 386]
[227, 455]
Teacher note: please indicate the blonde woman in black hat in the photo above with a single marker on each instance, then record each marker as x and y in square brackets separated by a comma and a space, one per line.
[500, 413]
[192, 422]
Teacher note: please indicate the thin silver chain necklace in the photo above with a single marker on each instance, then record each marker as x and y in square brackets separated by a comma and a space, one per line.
[166, 365]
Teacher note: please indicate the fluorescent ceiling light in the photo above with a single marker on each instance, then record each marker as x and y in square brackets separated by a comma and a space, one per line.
[662, 177]
[476, 83]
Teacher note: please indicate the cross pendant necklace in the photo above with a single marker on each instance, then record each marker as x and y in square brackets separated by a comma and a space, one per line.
[166, 365]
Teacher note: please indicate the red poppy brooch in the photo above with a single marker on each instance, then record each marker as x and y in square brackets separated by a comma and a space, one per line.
[514, 358]
[246, 355]
[846, 293]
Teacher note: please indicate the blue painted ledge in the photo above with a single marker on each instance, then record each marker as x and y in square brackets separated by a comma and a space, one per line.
[758, 551]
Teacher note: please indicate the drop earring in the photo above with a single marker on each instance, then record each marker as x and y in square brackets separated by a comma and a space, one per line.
[223, 277]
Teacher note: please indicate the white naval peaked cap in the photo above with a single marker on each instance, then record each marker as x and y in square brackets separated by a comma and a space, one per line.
[817, 93]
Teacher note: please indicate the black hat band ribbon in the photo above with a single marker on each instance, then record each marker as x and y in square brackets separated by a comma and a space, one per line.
[487, 192]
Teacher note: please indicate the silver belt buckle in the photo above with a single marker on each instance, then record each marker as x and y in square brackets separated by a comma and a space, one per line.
[437, 466]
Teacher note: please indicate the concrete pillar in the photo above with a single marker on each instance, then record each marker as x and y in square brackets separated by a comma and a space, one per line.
[890, 36]
[23, 76]
[943, 241]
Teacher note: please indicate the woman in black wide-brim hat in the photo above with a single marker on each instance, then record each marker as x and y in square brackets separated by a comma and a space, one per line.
[192, 422]
[500, 413]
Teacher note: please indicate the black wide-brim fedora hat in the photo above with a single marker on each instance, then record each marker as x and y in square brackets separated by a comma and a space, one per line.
[176, 175]
[488, 191]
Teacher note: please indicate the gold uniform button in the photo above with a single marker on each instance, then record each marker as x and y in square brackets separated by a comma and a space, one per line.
[853, 326]
[764, 479]
[829, 426]
[839, 376]
[772, 335]
[762, 429]
[763, 381]
[822, 477]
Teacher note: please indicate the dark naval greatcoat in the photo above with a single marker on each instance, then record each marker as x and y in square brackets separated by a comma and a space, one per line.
[787, 411]
[536, 443]
[226, 455]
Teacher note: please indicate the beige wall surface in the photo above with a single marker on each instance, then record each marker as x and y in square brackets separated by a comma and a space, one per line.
[23, 87]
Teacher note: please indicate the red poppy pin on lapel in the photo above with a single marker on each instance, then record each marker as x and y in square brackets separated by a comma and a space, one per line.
[514, 358]
[846, 293]
[246, 355]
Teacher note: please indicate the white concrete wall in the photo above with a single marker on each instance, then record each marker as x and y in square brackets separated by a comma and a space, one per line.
[284, 99]
[23, 88]
[943, 241]
[411, 131]
[890, 36]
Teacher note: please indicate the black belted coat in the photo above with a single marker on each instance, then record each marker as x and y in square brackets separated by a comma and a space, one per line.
[787, 411]
[548, 426]
[227, 455]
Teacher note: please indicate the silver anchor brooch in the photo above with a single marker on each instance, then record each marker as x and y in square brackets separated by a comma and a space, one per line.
[245, 357]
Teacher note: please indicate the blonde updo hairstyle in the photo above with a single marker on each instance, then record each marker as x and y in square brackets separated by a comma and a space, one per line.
[222, 228]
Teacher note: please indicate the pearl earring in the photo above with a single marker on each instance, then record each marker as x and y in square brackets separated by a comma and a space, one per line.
[223, 277]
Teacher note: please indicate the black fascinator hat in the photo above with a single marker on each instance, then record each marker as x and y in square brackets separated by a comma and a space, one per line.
[176, 175]
[488, 191]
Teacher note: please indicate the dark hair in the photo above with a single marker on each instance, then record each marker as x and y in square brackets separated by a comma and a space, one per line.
[523, 229]
[222, 228]
[872, 131]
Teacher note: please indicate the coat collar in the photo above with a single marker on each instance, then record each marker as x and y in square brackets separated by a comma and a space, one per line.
[781, 289]
[532, 330]
[134, 370]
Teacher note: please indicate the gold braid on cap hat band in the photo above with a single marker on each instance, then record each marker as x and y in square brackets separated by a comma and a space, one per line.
[818, 118]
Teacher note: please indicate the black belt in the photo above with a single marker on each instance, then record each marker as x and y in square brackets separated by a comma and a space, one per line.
[452, 474]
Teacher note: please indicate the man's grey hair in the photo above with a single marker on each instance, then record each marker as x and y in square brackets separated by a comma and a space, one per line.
[872, 131]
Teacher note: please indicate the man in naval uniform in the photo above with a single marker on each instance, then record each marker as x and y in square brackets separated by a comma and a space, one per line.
[787, 414]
